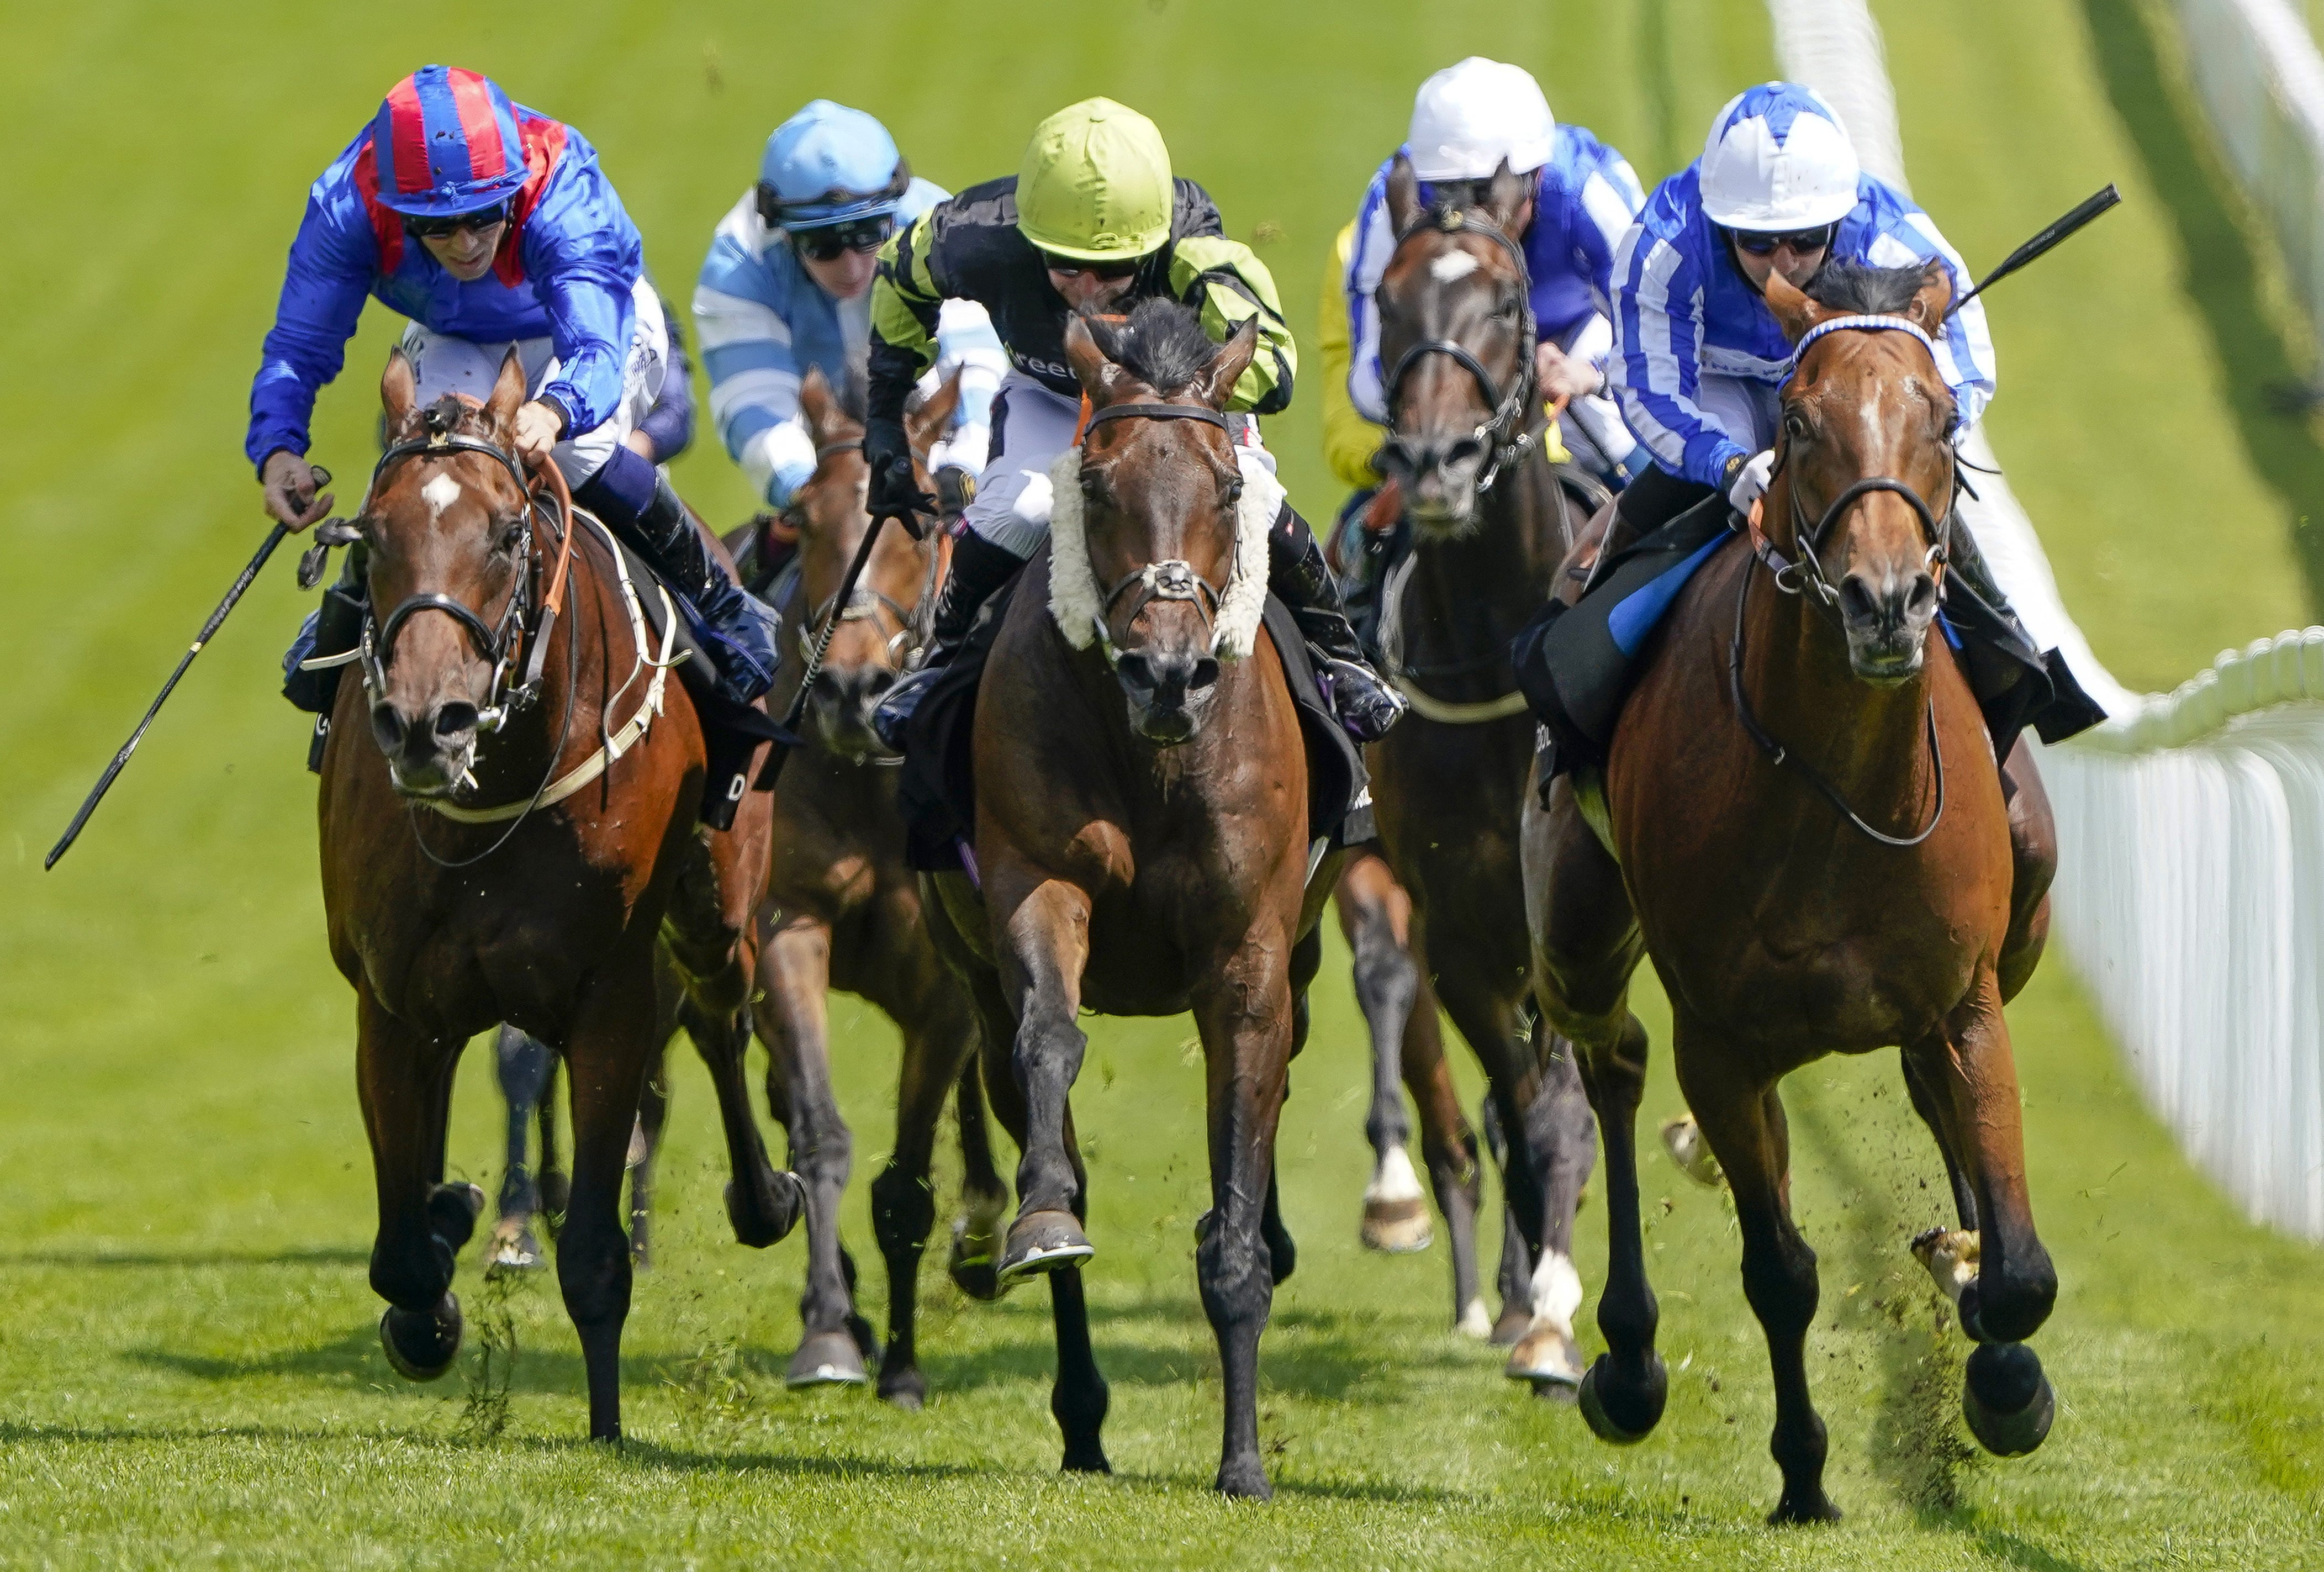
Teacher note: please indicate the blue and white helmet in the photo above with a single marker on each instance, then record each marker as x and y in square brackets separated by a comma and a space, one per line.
[830, 165]
[1778, 159]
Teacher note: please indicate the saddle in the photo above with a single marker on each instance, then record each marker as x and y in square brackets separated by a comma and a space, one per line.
[937, 788]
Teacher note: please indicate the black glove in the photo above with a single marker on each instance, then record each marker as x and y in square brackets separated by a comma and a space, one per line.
[895, 491]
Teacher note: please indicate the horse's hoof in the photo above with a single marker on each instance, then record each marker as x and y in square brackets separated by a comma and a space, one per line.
[763, 1219]
[971, 1263]
[1630, 1418]
[556, 1198]
[906, 1388]
[1089, 1459]
[1043, 1242]
[1396, 1227]
[826, 1359]
[2007, 1400]
[1804, 1507]
[1683, 1139]
[1545, 1355]
[1475, 1321]
[1245, 1480]
[453, 1211]
[513, 1249]
[1515, 1320]
[421, 1344]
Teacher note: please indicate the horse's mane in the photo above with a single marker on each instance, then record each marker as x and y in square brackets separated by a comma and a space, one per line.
[1160, 342]
[1856, 286]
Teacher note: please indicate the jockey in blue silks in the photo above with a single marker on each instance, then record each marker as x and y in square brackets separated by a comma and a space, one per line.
[1698, 357]
[788, 286]
[1466, 121]
[491, 227]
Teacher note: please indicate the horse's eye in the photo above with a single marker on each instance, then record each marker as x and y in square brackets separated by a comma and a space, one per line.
[508, 533]
[1795, 425]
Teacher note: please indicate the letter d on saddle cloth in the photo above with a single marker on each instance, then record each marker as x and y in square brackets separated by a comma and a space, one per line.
[1575, 664]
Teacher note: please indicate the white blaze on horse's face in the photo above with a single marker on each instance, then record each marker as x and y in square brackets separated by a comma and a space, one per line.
[438, 494]
[1453, 266]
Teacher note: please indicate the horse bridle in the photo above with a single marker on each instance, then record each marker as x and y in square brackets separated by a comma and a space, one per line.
[1504, 433]
[1173, 578]
[915, 623]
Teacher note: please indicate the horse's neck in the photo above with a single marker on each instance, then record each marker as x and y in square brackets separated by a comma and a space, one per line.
[1468, 596]
[590, 648]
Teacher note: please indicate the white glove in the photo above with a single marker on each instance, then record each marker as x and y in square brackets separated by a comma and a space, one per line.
[1751, 481]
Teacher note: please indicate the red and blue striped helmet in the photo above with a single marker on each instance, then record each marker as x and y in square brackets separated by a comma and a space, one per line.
[446, 141]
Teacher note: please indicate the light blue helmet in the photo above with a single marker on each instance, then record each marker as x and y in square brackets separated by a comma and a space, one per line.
[829, 164]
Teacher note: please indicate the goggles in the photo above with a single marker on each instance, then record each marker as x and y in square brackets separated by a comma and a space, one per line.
[1762, 242]
[437, 226]
[1075, 267]
[824, 242]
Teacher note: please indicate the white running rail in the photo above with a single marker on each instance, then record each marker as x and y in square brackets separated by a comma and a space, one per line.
[2190, 883]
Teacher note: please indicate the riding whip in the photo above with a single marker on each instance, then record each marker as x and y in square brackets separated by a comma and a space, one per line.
[2089, 209]
[209, 629]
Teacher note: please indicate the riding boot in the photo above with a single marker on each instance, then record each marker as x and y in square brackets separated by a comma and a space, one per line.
[979, 569]
[2068, 711]
[740, 633]
[1300, 578]
[334, 628]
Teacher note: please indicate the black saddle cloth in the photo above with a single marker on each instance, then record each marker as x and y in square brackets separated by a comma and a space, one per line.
[1576, 664]
[937, 789]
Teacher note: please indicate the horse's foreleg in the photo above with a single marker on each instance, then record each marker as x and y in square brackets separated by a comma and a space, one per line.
[653, 1117]
[1044, 944]
[1744, 1122]
[405, 1080]
[1973, 1082]
[1562, 1138]
[903, 1197]
[1924, 1103]
[522, 1066]
[1449, 1147]
[762, 1204]
[1244, 1016]
[795, 980]
[2034, 863]
[1372, 909]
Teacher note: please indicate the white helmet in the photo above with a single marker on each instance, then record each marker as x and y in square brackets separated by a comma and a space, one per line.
[1467, 118]
[1778, 159]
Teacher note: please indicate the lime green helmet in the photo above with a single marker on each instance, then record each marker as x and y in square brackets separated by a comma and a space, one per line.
[1095, 184]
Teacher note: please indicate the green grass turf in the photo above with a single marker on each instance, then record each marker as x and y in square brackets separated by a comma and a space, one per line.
[187, 1356]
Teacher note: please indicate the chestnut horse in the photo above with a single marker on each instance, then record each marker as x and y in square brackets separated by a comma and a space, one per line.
[843, 911]
[1808, 835]
[1491, 524]
[526, 881]
[1142, 837]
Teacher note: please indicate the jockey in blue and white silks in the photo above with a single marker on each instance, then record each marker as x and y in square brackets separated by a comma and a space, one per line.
[493, 229]
[1698, 357]
[1467, 120]
[786, 287]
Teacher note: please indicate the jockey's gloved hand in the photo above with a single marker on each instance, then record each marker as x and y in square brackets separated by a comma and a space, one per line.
[1750, 481]
[290, 483]
[895, 491]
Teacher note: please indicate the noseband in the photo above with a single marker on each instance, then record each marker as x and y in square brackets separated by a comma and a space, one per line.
[1502, 434]
[1175, 579]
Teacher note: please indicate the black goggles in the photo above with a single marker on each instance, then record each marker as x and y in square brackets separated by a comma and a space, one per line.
[824, 242]
[436, 227]
[1762, 242]
[1075, 267]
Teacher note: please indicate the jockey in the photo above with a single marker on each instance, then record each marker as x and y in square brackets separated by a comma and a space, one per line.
[1466, 121]
[786, 287]
[492, 227]
[1698, 357]
[1093, 219]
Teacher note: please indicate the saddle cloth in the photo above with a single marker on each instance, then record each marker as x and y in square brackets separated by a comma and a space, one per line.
[937, 790]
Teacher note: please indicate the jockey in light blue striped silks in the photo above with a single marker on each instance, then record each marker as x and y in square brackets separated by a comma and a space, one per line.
[1467, 120]
[786, 287]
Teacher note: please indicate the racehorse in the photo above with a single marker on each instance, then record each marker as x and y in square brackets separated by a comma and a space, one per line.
[1802, 826]
[842, 910]
[1491, 522]
[528, 881]
[1142, 836]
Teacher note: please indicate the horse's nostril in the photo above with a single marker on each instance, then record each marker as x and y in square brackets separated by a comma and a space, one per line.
[455, 719]
[1467, 450]
[1922, 600]
[878, 682]
[1206, 672]
[1856, 600]
[1137, 671]
[387, 725]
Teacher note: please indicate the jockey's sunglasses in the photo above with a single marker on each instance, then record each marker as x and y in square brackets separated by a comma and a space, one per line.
[826, 242]
[438, 227]
[1761, 243]
[1073, 267]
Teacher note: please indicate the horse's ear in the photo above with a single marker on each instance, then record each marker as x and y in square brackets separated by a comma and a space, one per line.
[508, 392]
[1505, 198]
[398, 389]
[1795, 314]
[819, 407]
[1403, 195]
[1233, 358]
[1935, 298]
[927, 420]
[1096, 374]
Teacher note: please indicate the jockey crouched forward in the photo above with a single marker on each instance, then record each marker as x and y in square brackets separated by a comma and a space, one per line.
[491, 227]
[786, 287]
[1094, 218]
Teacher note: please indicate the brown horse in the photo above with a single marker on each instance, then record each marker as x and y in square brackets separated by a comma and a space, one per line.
[1491, 522]
[1141, 834]
[1810, 838]
[843, 911]
[527, 879]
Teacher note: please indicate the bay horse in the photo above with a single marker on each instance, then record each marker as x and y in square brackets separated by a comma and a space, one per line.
[844, 911]
[1142, 837]
[1808, 835]
[1491, 523]
[528, 881]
